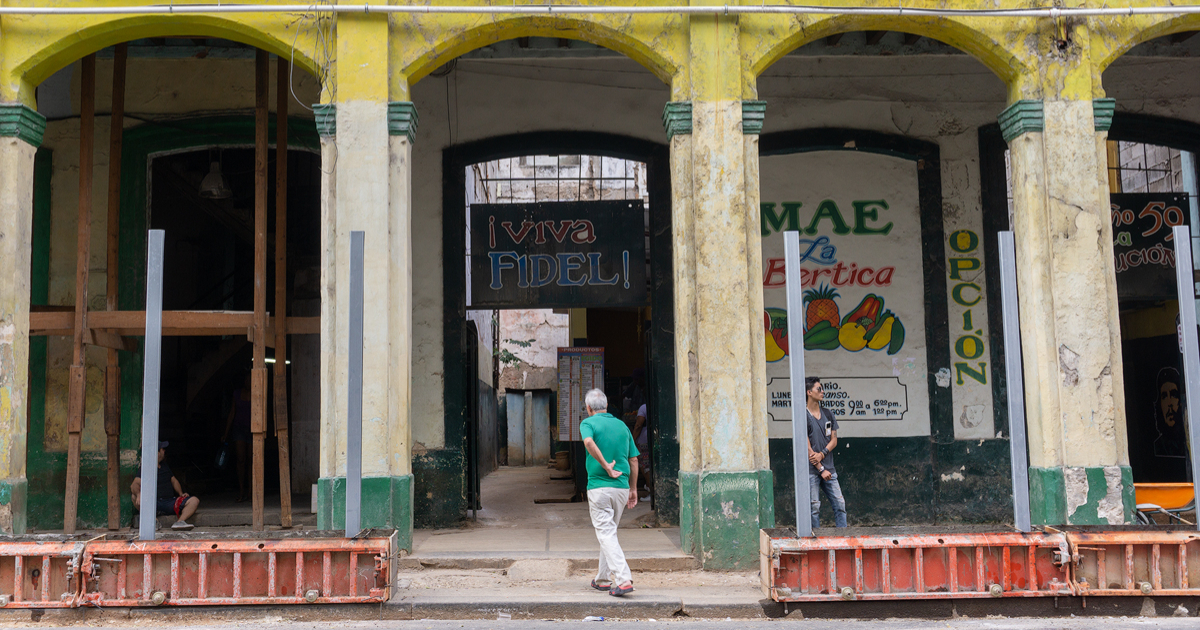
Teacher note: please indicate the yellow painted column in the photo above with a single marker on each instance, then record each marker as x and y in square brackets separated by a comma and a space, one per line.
[21, 131]
[725, 480]
[363, 194]
[1079, 461]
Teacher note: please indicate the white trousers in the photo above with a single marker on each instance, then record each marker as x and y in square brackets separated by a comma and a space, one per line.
[606, 505]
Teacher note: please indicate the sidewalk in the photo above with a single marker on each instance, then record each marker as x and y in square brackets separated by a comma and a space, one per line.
[560, 589]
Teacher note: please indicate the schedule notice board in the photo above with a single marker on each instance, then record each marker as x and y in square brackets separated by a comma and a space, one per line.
[579, 370]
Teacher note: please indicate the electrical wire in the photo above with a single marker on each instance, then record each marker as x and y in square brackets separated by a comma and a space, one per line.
[327, 8]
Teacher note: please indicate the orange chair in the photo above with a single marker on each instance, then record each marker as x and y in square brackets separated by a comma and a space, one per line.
[1171, 499]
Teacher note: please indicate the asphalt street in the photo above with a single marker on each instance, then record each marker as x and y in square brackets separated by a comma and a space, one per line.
[1081, 623]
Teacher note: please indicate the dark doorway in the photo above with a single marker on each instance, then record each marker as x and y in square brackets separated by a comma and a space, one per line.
[647, 339]
[209, 266]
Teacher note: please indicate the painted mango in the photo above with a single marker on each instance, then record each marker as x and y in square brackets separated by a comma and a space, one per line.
[883, 335]
[853, 336]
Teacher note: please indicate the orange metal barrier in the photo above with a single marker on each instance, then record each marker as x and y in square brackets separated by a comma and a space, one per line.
[951, 566]
[194, 572]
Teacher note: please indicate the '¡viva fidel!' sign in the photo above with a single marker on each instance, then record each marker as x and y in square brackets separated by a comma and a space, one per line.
[558, 255]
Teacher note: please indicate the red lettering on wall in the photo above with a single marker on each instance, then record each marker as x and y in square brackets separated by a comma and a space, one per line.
[517, 237]
[774, 276]
[584, 232]
[561, 233]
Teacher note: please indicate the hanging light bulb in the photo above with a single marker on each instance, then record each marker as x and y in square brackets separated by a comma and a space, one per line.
[213, 186]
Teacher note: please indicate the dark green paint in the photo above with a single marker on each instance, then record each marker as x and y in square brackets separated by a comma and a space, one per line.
[13, 497]
[1047, 496]
[19, 121]
[689, 508]
[46, 497]
[899, 481]
[386, 504]
[724, 512]
[440, 493]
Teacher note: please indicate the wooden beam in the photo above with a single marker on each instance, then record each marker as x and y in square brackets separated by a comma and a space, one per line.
[114, 342]
[258, 384]
[282, 93]
[175, 323]
[1113, 156]
[911, 39]
[833, 40]
[77, 380]
[874, 37]
[112, 371]
[1179, 38]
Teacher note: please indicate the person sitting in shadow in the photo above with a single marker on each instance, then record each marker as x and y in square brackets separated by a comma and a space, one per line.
[171, 499]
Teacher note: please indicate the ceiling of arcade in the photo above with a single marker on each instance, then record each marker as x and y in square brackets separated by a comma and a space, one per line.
[1037, 58]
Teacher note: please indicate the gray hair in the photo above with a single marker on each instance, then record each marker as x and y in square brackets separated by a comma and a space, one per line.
[596, 400]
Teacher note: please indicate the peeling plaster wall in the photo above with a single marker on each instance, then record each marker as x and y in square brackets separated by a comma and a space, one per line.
[538, 368]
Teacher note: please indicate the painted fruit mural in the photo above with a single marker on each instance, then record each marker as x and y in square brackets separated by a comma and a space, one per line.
[869, 326]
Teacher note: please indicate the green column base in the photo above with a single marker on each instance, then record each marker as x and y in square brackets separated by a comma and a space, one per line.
[386, 503]
[13, 519]
[720, 515]
[1101, 495]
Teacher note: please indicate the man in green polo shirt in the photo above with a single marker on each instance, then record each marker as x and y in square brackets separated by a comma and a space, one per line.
[612, 486]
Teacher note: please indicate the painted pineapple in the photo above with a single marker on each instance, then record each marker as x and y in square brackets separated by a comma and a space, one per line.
[821, 306]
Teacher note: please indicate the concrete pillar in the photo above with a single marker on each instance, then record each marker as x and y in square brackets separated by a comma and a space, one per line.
[1078, 452]
[725, 482]
[21, 131]
[367, 190]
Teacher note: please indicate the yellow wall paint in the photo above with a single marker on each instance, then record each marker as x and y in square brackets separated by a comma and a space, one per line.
[690, 54]
[362, 53]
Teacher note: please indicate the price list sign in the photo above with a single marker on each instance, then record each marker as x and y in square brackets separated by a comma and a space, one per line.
[579, 370]
[853, 398]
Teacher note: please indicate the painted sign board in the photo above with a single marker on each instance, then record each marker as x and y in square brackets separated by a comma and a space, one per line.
[1143, 250]
[579, 370]
[861, 250]
[558, 255]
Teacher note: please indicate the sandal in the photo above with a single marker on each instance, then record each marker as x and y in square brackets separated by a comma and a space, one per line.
[618, 591]
[600, 587]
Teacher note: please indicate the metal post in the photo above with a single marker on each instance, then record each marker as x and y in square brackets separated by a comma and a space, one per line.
[1015, 373]
[795, 331]
[1185, 280]
[152, 362]
[355, 387]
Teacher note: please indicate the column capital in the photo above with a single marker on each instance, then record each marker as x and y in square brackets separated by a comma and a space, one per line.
[402, 119]
[326, 119]
[19, 121]
[1021, 117]
[754, 113]
[1103, 110]
[677, 118]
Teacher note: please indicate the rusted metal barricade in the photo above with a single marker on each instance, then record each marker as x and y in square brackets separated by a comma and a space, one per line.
[195, 572]
[978, 565]
[40, 573]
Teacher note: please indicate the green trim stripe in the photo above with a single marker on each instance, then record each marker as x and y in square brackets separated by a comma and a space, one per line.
[402, 119]
[387, 503]
[677, 118]
[1021, 117]
[19, 121]
[1103, 110]
[753, 115]
[326, 119]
